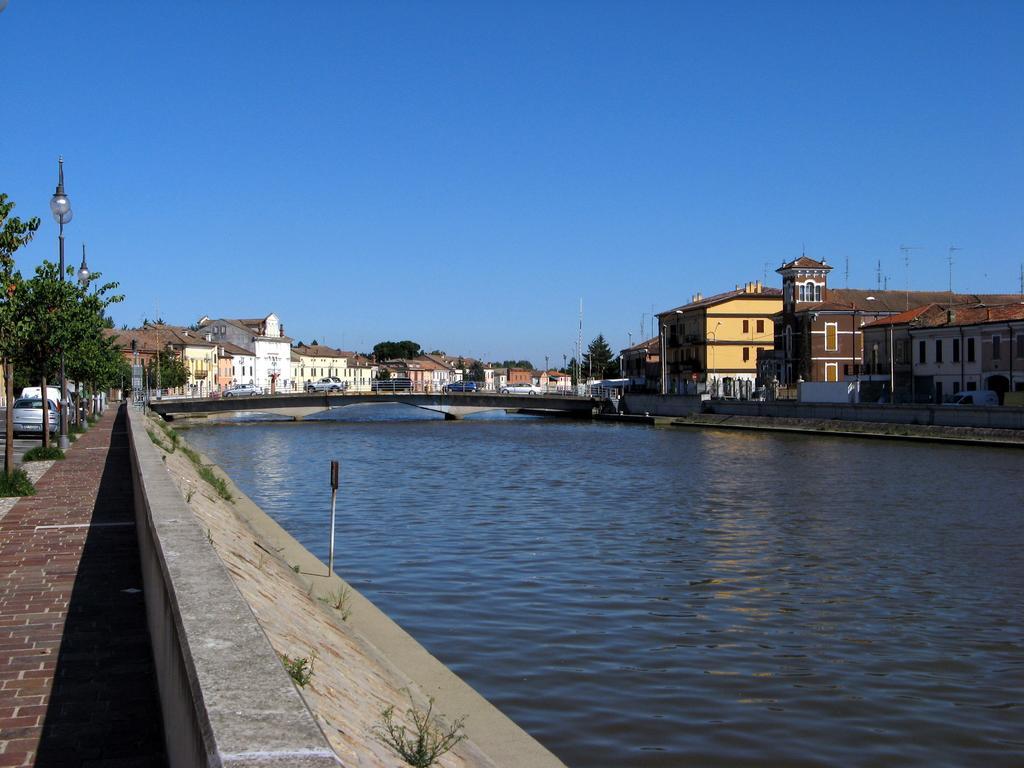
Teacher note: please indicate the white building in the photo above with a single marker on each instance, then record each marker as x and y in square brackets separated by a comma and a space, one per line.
[265, 339]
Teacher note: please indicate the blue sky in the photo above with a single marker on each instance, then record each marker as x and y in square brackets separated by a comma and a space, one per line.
[462, 173]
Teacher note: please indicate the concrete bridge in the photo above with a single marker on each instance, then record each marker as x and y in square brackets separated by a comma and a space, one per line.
[454, 405]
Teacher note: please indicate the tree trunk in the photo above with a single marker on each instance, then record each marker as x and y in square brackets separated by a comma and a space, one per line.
[46, 414]
[9, 418]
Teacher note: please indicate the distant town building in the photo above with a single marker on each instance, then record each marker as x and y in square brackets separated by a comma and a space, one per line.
[641, 364]
[712, 344]
[930, 353]
[818, 330]
[264, 338]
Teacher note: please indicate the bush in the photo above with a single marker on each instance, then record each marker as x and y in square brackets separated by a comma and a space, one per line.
[300, 669]
[421, 745]
[16, 484]
[43, 454]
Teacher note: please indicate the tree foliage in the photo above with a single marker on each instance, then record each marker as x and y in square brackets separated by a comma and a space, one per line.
[172, 371]
[476, 371]
[14, 234]
[515, 364]
[598, 361]
[396, 350]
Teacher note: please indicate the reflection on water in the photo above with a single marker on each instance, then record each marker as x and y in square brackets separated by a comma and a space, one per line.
[643, 597]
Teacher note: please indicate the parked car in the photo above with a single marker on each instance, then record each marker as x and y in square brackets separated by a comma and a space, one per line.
[522, 389]
[975, 397]
[460, 386]
[28, 416]
[242, 390]
[394, 384]
[327, 384]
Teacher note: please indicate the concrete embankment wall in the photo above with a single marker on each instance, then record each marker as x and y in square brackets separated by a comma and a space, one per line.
[226, 699]
[999, 417]
[367, 661]
[660, 405]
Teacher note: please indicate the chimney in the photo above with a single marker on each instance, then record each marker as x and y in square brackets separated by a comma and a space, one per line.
[758, 287]
[950, 316]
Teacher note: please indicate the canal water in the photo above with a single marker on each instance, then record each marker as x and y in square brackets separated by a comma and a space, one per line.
[635, 596]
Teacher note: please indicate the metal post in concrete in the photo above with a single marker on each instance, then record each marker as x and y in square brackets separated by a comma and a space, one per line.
[334, 498]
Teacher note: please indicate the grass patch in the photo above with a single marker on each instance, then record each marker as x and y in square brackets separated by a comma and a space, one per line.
[300, 669]
[39, 453]
[16, 484]
[341, 601]
[427, 740]
[158, 442]
[218, 483]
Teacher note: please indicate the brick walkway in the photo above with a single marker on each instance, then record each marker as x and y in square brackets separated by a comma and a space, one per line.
[76, 673]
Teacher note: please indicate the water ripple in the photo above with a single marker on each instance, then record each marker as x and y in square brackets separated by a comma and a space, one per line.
[654, 598]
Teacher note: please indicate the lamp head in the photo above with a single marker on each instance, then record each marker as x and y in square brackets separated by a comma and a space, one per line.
[60, 205]
[83, 272]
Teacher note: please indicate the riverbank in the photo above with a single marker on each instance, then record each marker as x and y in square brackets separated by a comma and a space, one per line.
[866, 429]
[364, 663]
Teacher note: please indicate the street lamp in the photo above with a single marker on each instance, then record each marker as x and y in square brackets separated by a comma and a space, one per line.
[714, 338]
[83, 280]
[60, 207]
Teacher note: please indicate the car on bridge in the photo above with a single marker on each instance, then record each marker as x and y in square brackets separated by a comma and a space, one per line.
[460, 386]
[522, 389]
[327, 384]
[242, 390]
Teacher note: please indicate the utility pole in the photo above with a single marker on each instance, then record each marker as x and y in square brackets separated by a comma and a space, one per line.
[949, 258]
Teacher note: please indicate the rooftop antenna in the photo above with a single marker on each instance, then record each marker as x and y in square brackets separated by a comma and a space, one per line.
[764, 272]
[846, 278]
[1022, 282]
[906, 249]
[949, 258]
[878, 276]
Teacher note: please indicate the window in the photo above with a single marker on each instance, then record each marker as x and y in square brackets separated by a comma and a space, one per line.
[817, 293]
[938, 391]
[997, 347]
[810, 290]
[746, 326]
[831, 337]
[1020, 346]
[831, 371]
[746, 354]
[922, 356]
[760, 329]
[803, 293]
[956, 352]
[899, 351]
[956, 387]
[970, 350]
[938, 353]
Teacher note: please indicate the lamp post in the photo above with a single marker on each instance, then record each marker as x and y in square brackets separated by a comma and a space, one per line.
[60, 207]
[714, 339]
[83, 280]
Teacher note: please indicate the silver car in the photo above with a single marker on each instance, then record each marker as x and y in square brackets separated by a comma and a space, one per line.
[28, 416]
[242, 390]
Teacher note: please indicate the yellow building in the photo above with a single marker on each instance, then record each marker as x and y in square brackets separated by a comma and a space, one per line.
[711, 344]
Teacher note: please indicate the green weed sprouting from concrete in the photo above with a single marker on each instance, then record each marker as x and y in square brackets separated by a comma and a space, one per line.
[39, 453]
[218, 483]
[341, 601]
[421, 745]
[158, 442]
[16, 484]
[300, 668]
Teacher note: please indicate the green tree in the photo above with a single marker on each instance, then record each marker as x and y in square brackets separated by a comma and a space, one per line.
[597, 361]
[173, 372]
[94, 360]
[49, 313]
[476, 371]
[396, 350]
[14, 233]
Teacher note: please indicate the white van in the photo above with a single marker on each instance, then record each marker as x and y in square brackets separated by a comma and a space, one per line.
[975, 397]
[52, 393]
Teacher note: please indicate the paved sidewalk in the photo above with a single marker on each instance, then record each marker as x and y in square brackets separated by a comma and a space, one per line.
[76, 673]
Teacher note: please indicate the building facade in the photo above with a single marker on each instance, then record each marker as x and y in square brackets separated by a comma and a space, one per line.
[712, 344]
